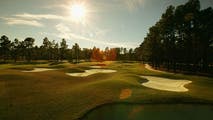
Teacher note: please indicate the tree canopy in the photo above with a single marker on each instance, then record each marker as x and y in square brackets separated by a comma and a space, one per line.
[52, 51]
[181, 40]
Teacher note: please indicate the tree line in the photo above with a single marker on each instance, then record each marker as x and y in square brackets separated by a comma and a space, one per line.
[181, 40]
[25, 50]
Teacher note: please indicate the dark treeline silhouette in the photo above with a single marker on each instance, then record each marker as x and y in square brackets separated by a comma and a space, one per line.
[182, 40]
[13, 51]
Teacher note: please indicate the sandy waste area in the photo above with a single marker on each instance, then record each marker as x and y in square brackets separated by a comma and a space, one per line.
[38, 70]
[90, 72]
[96, 67]
[166, 84]
[147, 66]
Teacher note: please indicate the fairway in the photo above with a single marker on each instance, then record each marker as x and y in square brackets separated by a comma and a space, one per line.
[54, 95]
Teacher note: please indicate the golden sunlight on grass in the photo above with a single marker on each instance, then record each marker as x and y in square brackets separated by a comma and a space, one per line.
[125, 93]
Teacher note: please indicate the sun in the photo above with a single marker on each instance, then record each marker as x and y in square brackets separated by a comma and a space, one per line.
[78, 12]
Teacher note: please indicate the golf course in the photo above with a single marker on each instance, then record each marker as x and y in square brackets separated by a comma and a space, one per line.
[106, 59]
[46, 91]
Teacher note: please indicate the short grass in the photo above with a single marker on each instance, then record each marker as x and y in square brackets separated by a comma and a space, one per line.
[52, 95]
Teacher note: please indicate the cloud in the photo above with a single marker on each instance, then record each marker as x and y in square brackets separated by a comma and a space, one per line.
[129, 5]
[102, 5]
[63, 6]
[30, 19]
[39, 16]
[133, 4]
[65, 32]
[58, 6]
[36, 18]
[17, 21]
[99, 32]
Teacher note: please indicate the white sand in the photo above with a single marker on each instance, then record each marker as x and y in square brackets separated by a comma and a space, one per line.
[166, 84]
[90, 72]
[39, 70]
[96, 67]
[147, 66]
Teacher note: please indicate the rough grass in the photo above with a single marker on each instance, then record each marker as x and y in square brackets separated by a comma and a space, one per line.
[54, 95]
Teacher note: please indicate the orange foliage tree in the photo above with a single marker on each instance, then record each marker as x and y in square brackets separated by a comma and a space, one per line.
[97, 55]
[107, 55]
[111, 54]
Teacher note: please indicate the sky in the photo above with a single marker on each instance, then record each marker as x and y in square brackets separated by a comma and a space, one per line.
[106, 23]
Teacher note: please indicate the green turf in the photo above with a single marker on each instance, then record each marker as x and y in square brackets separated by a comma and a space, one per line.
[54, 95]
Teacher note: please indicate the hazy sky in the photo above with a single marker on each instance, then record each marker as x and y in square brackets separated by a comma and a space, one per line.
[112, 23]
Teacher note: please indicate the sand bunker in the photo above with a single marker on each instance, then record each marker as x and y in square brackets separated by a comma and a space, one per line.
[147, 66]
[96, 67]
[90, 72]
[166, 84]
[125, 93]
[39, 70]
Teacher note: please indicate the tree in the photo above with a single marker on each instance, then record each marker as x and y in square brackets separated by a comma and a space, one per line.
[119, 52]
[131, 54]
[86, 54]
[55, 51]
[112, 54]
[182, 38]
[28, 46]
[106, 54]
[97, 55]
[205, 41]
[76, 52]
[5, 45]
[63, 49]
[15, 49]
[167, 39]
[47, 47]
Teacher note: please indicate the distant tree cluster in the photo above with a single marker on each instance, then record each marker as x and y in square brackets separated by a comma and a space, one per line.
[52, 51]
[181, 40]
[107, 55]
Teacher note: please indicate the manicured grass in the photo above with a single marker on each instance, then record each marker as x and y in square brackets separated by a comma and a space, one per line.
[54, 95]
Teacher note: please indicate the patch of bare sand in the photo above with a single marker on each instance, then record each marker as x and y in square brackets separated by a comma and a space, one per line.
[166, 84]
[147, 66]
[96, 67]
[39, 70]
[125, 93]
[90, 72]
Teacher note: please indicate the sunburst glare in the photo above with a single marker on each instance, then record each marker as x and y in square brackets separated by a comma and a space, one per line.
[78, 12]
